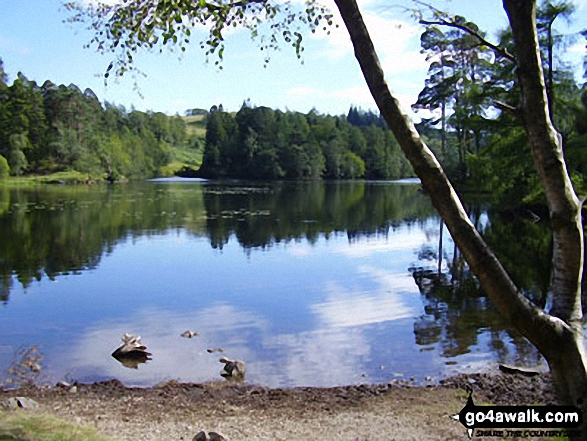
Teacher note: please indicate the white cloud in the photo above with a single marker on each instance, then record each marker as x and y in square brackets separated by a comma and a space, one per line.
[356, 95]
[578, 48]
[392, 39]
[405, 240]
[323, 357]
[347, 307]
[302, 91]
[179, 103]
[11, 45]
[398, 62]
[398, 48]
[359, 95]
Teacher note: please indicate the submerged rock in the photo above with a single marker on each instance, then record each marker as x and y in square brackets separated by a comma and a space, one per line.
[189, 334]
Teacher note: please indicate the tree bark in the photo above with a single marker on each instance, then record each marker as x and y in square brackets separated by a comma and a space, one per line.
[552, 335]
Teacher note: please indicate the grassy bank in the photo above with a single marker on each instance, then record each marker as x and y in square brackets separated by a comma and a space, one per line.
[27, 426]
[63, 177]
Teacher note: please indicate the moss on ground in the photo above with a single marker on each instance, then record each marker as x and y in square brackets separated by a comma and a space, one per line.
[28, 426]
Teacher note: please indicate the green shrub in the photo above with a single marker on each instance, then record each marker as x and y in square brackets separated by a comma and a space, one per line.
[4, 168]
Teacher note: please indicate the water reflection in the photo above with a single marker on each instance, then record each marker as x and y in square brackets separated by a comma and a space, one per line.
[67, 229]
[309, 283]
[356, 306]
[448, 289]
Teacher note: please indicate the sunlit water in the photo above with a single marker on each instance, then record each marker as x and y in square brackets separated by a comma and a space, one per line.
[266, 273]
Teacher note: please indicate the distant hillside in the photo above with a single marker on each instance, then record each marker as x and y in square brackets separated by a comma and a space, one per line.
[53, 128]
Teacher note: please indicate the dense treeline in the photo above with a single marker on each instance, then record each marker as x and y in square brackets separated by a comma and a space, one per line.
[261, 143]
[52, 128]
[470, 95]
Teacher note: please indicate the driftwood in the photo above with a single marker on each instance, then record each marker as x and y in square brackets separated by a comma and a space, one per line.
[132, 352]
[527, 372]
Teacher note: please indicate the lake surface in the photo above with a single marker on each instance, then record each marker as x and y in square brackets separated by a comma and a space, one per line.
[310, 283]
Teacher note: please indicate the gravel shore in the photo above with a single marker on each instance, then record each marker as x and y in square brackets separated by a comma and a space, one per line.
[178, 411]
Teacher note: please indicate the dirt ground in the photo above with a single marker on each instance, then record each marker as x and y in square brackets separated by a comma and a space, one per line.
[177, 411]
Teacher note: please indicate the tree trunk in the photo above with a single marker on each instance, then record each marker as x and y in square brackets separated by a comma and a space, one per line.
[546, 145]
[553, 335]
[568, 364]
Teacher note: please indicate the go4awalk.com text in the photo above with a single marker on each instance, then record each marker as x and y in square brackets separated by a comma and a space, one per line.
[526, 433]
[520, 421]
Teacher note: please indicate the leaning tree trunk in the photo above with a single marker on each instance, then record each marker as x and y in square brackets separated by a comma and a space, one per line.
[555, 336]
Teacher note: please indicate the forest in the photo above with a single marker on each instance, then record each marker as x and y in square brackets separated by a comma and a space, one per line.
[50, 128]
[261, 143]
[465, 107]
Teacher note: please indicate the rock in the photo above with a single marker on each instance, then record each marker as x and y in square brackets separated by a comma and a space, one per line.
[19, 403]
[200, 436]
[189, 334]
[132, 352]
[71, 388]
[212, 436]
[211, 351]
[234, 369]
[33, 366]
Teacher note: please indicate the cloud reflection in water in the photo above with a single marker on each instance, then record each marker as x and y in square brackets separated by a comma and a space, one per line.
[333, 352]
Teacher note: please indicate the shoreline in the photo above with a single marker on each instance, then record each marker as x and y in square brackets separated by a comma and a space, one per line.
[177, 411]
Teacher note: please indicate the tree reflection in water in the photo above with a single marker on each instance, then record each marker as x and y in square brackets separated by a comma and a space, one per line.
[457, 311]
[57, 230]
[52, 231]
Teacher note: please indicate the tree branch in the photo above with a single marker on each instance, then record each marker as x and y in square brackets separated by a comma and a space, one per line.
[452, 24]
[514, 111]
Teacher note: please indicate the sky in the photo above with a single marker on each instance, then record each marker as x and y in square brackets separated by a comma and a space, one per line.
[35, 40]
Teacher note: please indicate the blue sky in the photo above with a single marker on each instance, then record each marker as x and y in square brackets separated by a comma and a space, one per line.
[35, 40]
